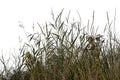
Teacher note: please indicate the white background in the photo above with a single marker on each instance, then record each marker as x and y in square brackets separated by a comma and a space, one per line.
[29, 11]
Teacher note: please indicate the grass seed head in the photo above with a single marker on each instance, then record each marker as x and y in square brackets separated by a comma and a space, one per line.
[27, 54]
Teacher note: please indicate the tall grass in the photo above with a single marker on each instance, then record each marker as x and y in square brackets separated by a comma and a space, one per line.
[64, 50]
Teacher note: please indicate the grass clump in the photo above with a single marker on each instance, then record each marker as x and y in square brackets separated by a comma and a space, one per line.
[63, 50]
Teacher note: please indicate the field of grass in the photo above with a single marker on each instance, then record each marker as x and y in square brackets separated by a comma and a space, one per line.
[64, 50]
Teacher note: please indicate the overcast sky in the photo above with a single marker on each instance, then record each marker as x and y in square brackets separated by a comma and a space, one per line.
[29, 11]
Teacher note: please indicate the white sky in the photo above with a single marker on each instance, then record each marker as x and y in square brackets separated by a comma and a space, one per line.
[29, 11]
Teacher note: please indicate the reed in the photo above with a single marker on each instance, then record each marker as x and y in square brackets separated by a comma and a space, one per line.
[63, 50]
